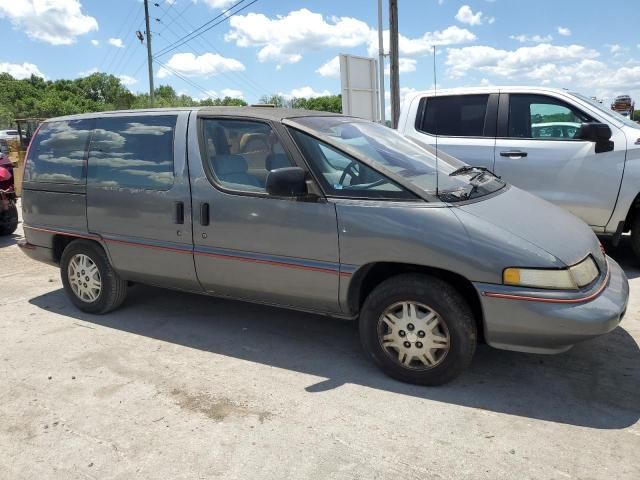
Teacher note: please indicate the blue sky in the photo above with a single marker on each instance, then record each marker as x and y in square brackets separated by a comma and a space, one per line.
[288, 46]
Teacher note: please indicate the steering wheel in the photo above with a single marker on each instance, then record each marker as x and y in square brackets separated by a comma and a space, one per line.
[350, 170]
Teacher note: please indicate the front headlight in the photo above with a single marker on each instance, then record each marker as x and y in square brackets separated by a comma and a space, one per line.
[571, 278]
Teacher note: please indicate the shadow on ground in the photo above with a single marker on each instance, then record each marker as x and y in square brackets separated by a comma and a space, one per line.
[597, 384]
[9, 240]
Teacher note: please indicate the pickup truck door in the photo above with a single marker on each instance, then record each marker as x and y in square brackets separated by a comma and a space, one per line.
[464, 126]
[536, 151]
[248, 244]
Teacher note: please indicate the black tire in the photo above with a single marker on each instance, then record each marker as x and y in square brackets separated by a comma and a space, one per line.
[113, 288]
[441, 298]
[635, 236]
[9, 221]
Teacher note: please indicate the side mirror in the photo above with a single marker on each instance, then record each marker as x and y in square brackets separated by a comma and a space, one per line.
[286, 182]
[600, 133]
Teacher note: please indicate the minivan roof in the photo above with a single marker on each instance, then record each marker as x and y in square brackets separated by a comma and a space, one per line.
[267, 113]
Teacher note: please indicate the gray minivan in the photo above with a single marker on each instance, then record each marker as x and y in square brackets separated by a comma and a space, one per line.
[317, 212]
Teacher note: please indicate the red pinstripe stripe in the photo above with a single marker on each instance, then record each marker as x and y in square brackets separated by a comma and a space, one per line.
[552, 300]
[267, 262]
[205, 254]
[148, 245]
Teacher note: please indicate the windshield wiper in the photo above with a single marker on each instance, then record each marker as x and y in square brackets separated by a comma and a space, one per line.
[471, 168]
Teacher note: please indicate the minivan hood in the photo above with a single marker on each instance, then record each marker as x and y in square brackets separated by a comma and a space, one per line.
[538, 222]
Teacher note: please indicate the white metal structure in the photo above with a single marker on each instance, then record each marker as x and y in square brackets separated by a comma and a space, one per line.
[359, 86]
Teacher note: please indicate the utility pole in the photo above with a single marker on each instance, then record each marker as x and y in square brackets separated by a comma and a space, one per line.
[381, 62]
[149, 57]
[393, 60]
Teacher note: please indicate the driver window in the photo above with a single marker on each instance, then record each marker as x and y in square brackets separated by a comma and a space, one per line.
[241, 153]
[344, 176]
[543, 118]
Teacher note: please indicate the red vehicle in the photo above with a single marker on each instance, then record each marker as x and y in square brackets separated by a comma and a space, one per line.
[8, 208]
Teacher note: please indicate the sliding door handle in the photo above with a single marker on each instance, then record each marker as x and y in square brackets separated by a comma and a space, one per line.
[513, 154]
[204, 214]
[179, 212]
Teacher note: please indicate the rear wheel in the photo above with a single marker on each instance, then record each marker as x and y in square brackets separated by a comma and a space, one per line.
[9, 220]
[89, 280]
[418, 329]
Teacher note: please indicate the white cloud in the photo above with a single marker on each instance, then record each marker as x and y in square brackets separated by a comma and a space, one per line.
[208, 94]
[20, 71]
[57, 22]
[466, 15]
[219, 3]
[86, 73]
[532, 38]
[127, 80]
[231, 92]
[405, 65]
[413, 47]
[564, 31]
[116, 42]
[512, 63]
[615, 48]
[305, 92]
[331, 68]
[284, 39]
[95, 42]
[205, 65]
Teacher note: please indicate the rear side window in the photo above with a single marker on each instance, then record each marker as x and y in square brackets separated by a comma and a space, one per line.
[455, 115]
[132, 152]
[57, 154]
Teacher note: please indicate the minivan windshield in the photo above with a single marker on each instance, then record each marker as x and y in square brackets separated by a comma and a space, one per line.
[442, 175]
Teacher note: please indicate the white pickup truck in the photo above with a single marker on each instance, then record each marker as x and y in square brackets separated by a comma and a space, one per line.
[559, 145]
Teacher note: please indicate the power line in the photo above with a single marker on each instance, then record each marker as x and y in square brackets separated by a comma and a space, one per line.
[125, 27]
[249, 84]
[184, 79]
[200, 30]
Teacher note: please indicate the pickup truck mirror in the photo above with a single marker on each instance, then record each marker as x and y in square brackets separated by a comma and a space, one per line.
[286, 182]
[600, 133]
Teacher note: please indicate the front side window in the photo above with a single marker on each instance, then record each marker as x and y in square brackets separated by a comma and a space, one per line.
[241, 153]
[545, 118]
[57, 154]
[455, 115]
[344, 176]
[132, 152]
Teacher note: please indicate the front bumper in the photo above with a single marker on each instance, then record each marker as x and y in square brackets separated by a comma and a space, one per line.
[517, 319]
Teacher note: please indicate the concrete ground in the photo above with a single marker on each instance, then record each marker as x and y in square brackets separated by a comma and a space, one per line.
[175, 385]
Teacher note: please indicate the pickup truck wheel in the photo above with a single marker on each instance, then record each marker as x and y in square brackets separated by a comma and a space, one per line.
[635, 236]
[9, 221]
[418, 329]
[89, 280]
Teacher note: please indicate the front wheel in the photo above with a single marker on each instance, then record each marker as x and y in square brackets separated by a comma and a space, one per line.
[418, 329]
[9, 220]
[89, 280]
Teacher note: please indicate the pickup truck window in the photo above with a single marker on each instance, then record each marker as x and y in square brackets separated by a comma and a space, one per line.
[454, 115]
[544, 118]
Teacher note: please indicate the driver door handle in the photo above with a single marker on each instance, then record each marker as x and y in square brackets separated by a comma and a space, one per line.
[513, 153]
